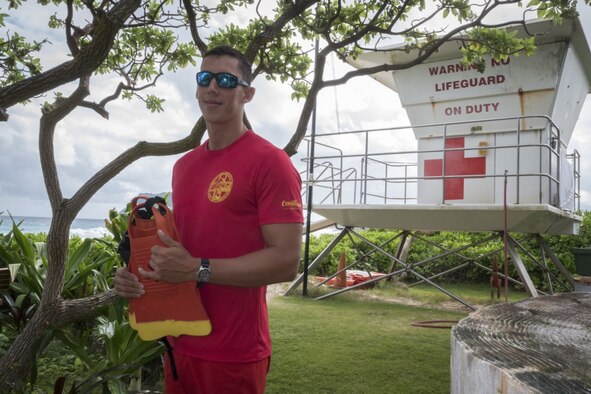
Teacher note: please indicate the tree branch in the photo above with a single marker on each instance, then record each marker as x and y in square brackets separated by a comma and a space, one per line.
[87, 308]
[99, 109]
[49, 119]
[271, 30]
[317, 84]
[86, 61]
[141, 149]
[201, 45]
[72, 44]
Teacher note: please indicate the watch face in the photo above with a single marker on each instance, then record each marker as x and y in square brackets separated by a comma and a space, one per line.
[204, 274]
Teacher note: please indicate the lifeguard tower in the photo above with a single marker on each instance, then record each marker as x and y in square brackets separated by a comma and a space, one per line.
[491, 154]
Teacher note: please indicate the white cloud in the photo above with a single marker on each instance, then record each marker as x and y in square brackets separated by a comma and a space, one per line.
[64, 146]
[272, 113]
[85, 142]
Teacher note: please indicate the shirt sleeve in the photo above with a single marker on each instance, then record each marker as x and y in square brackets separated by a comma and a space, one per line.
[279, 188]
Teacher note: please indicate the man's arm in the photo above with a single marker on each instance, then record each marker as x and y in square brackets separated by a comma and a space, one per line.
[278, 262]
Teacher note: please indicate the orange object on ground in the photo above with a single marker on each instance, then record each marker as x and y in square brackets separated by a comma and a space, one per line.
[165, 308]
[341, 278]
[353, 277]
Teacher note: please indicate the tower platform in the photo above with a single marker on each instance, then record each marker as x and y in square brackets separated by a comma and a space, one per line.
[521, 218]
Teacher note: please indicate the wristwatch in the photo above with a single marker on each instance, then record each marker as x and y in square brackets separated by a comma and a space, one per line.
[204, 273]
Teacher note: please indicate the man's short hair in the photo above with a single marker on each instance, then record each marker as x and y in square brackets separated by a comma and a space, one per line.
[224, 50]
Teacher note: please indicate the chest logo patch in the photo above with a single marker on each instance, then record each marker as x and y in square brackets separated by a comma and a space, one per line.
[220, 187]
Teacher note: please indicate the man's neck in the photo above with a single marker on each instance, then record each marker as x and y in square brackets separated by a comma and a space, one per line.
[222, 136]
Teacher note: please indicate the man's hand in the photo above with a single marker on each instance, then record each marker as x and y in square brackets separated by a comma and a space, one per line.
[127, 284]
[171, 264]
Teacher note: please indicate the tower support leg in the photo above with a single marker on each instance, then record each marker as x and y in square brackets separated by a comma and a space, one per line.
[294, 285]
[521, 270]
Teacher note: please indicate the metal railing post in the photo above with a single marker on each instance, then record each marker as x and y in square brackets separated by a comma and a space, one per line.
[366, 162]
[558, 169]
[443, 164]
[518, 164]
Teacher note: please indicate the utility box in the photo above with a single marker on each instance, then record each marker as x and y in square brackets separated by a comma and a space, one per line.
[582, 261]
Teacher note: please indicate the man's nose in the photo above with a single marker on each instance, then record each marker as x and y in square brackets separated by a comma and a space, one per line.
[213, 85]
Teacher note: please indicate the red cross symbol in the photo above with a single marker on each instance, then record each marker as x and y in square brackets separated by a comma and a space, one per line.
[455, 164]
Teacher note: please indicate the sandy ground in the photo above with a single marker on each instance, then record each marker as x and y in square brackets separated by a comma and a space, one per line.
[276, 290]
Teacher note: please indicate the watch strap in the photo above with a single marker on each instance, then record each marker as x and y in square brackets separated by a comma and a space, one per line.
[204, 266]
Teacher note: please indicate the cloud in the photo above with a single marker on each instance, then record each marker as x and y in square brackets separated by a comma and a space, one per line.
[85, 142]
[581, 142]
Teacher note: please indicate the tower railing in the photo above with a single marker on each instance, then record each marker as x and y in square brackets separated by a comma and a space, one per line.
[367, 166]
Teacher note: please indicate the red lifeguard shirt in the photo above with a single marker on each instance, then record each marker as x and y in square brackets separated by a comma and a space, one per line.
[221, 198]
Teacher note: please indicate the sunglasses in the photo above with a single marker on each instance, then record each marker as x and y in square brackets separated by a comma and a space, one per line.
[224, 80]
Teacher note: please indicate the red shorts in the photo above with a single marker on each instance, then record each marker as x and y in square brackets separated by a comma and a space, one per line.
[205, 377]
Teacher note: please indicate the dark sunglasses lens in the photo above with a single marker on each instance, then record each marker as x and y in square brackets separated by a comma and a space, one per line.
[225, 80]
[204, 78]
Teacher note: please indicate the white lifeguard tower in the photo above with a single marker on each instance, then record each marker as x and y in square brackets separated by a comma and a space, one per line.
[517, 116]
[491, 148]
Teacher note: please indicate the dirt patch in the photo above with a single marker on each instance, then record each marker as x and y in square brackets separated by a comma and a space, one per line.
[276, 289]
[279, 289]
[446, 305]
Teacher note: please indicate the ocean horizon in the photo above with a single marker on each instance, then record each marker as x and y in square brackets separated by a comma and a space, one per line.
[87, 228]
[83, 228]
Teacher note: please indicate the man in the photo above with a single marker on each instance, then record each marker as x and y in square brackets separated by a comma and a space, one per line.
[237, 206]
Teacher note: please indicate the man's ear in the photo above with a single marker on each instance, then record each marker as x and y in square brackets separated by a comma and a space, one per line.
[248, 94]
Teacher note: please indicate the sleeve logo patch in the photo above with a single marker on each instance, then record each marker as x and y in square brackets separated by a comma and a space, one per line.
[291, 204]
[220, 187]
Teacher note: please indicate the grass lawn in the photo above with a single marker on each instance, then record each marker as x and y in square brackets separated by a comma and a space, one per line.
[349, 344]
[361, 341]
[477, 294]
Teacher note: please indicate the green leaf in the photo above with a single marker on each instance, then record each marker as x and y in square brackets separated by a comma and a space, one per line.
[77, 256]
[8, 257]
[37, 348]
[78, 348]
[26, 246]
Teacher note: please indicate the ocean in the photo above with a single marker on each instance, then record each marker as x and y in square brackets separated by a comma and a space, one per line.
[84, 228]
[91, 228]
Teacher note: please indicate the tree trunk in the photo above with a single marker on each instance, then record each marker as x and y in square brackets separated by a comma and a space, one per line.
[16, 362]
[53, 310]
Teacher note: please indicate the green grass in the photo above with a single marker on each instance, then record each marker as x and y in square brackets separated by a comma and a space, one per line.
[473, 293]
[347, 345]
[350, 344]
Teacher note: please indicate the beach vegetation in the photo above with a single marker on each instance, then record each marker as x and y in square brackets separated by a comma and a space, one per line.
[134, 42]
[362, 256]
[104, 353]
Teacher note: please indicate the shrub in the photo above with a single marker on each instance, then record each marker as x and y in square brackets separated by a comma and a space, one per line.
[424, 249]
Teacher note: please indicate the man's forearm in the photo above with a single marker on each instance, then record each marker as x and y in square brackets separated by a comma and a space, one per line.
[263, 267]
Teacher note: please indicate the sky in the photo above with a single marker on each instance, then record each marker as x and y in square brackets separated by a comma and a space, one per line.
[85, 142]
